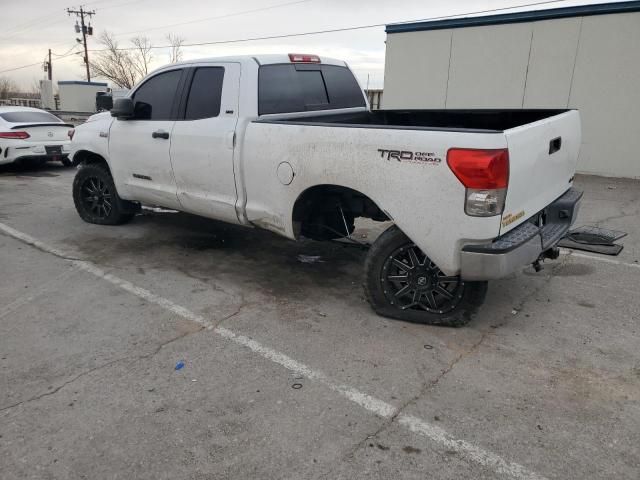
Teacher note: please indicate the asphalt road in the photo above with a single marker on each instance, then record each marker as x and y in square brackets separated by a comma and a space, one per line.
[287, 372]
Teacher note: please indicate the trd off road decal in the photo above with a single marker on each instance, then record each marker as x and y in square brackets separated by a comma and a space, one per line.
[428, 158]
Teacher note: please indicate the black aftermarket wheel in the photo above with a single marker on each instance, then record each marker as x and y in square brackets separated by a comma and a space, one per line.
[96, 199]
[403, 283]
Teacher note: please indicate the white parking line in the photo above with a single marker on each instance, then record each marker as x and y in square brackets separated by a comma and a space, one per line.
[571, 253]
[373, 405]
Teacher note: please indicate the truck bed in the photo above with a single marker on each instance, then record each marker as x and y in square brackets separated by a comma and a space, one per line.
[451, 120]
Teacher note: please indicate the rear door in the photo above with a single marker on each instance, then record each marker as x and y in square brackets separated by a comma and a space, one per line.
[542, 163]
[203, 141]
[139, 147]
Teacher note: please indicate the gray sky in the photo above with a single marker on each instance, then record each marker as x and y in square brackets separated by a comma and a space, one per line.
[30, 27]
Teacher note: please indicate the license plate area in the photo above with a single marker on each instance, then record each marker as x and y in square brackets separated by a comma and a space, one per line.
[53, 150]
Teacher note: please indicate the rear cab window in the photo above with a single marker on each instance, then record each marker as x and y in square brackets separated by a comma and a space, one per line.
[288, 88]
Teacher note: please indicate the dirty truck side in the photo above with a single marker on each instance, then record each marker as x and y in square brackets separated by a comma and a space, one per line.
[286, 143]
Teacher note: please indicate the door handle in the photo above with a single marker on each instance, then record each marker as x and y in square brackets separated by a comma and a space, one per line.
[160, 134]
[555, 145]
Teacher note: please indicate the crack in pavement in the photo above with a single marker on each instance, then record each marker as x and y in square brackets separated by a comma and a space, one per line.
[132, 358]
[427, 386]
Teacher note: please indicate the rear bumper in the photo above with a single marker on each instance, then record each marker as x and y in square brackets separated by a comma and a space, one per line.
[15, 151]
[522, 245]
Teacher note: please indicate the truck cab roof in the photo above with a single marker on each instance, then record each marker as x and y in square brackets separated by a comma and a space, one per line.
[266, 59]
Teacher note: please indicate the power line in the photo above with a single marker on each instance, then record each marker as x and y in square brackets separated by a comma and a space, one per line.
[46, 19]
[34, 64]
[217, 17]
[65, 54]
[360, 27]
[42, 24]
[336, 30]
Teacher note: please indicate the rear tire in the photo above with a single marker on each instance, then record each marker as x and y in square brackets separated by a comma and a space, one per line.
[96, 198]
[401, 282]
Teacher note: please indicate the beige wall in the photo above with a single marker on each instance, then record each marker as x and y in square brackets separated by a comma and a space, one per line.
[590, 63]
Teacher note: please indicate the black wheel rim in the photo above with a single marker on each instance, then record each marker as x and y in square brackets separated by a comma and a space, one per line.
[411, 281]
[96, 197]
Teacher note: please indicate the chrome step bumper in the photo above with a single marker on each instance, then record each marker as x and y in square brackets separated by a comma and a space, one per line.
[522, 245]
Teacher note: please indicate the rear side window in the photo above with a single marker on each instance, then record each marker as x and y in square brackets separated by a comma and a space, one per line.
[29, 117]
[154, 99]
[286, 88]
[205, 94]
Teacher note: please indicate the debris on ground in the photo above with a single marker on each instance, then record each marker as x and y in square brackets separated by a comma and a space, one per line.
[310, 258]
[593, 239]
[180, 365]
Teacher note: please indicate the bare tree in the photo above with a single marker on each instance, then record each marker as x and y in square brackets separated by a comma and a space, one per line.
[141, 55]
[7, 86]
[35, 87]
[176, 42]
[124, 67]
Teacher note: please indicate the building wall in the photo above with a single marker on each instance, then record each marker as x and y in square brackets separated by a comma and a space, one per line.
[591, 63]
[79, 96]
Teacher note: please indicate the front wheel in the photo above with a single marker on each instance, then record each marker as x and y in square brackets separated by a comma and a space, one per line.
[401, 282]
[96, 198]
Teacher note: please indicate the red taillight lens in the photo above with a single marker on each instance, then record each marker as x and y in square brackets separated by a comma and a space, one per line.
[14, 135]
[480, 169]
[303, 58]
[71, 133]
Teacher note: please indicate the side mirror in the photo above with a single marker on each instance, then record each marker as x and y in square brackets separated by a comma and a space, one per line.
[122, 108]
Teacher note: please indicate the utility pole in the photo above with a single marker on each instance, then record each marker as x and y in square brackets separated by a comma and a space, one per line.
[86, 30]
[49, 67]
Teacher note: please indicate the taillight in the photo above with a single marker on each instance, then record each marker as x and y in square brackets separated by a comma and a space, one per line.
[71, 133]
[485, 174]
[14, 135]
[303, 58]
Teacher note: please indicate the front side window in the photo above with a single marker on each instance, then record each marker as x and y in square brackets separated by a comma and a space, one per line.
[205, 94]
[154, 99]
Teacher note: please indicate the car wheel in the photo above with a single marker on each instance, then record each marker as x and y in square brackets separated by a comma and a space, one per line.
[401, 282]
[96, 199]
[66, 162]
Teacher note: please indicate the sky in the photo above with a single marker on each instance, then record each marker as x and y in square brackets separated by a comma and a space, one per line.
[31, 27]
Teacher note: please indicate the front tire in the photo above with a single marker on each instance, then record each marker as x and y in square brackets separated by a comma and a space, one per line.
[401, 282]
[96, 198]
[66, 161]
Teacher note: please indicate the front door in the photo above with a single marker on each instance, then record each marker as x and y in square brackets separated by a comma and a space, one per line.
[203, 139]
[139, 147]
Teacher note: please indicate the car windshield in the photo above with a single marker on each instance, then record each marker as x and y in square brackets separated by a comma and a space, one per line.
[29, 117]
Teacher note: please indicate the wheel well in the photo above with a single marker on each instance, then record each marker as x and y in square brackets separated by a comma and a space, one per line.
[325, 212]
[86, 157]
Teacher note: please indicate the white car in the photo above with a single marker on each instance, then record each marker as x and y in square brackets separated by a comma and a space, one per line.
[33, 134]
[287, 143]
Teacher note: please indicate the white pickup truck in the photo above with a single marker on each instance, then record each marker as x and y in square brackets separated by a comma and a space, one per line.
[287, 143]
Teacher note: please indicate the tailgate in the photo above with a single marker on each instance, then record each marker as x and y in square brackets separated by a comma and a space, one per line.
[542, 163]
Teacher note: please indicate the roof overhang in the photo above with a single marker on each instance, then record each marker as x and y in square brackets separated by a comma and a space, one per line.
[517, 17]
